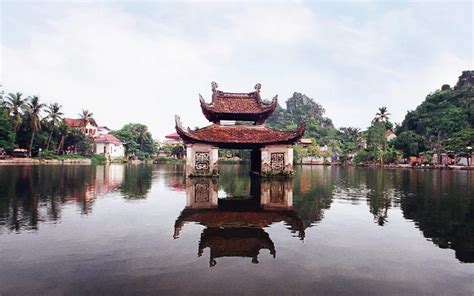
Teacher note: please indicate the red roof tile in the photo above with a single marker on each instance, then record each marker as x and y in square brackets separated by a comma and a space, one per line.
[173, 136]
[74, 122]
[107, 139]
[237, 106]
[238, 134]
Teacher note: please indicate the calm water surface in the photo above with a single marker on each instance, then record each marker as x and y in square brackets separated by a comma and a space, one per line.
[147, 230]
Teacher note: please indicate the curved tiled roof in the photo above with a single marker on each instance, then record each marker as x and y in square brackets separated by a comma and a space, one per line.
[215, 218]
[238, 134]
[237, 106]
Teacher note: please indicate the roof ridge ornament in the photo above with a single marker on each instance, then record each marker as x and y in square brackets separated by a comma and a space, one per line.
[178, 122]
[257, 87]
[214, 86]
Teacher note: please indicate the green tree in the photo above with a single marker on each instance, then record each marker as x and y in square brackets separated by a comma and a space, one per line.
[410, 143]
[54, 114]
[444, 119]
[7, 131]
[301, 108]
[376, 135]
[382, 115]
[16, 104]
[63, 130]
[350, 139]
[86, 116]
[137, 139]
[33, 110]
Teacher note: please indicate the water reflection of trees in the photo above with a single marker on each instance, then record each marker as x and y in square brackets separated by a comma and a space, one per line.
[137, 181]
[175, 179]
[313, 192]
[30, 195]
[442, 205]
[234, 179]
[382, 193]
[33, 194]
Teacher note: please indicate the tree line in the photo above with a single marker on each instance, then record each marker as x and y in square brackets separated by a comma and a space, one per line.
[443, 122]
[26, 122]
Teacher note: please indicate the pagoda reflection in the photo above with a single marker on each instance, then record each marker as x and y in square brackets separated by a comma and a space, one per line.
[235, 225]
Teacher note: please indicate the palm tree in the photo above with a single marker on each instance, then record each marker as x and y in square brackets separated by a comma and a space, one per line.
[16, 104]
[34, 108]
[63, 131]
[54, 114]
[86, 116]
[382, 115]
[142, 134]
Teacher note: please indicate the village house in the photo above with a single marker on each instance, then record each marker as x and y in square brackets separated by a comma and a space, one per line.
[104, 142]
[173, 140]
[390, 135]
[89, 128]
[103, 130]
[110, 146]
[305, 142]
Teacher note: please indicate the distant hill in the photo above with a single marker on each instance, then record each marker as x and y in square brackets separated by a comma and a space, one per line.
[444, 119]
[301, 108]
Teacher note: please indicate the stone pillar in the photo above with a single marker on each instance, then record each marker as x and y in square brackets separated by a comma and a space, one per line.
[277, 160]
[201, 160]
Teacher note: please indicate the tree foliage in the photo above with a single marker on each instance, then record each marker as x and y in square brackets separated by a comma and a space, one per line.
[446, 117]
[302, 109]
[138, 140]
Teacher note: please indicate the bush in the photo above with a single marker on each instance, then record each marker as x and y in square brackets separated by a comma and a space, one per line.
[363, 156]
[49, 154]
[98, 159]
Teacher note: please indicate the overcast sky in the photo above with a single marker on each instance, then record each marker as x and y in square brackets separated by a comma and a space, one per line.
[146, 61]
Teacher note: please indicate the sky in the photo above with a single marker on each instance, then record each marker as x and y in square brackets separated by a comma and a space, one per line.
[145, 62]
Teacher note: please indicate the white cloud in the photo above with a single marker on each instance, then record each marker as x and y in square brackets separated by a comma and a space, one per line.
[145, 67]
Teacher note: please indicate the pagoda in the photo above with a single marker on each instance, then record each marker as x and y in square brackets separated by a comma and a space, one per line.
[271, 150]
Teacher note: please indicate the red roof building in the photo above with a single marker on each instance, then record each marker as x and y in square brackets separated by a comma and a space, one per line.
[87, 127]
[110, 146]
[266, 143]
[108, 139]
[72, 122]
[173, 136]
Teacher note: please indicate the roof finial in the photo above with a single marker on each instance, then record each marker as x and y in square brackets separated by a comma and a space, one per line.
[214, 86]
[257, 87]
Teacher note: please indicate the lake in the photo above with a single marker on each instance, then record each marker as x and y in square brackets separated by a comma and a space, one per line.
[145, 229]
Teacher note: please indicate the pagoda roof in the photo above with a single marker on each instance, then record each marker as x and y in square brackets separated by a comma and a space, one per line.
[235, 242]
[215, 218]
[237, 106]
[238, 135]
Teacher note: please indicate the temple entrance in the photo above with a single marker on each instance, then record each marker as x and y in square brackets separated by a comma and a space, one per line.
[271, 150]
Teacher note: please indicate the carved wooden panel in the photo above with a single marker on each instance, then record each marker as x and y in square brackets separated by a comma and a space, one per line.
[202, 160]
[277, 161]
[201, 193]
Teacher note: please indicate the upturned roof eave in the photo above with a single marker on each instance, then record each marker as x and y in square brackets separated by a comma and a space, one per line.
[188, 136]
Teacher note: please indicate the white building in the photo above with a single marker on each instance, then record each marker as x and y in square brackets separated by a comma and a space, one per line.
[110, 146]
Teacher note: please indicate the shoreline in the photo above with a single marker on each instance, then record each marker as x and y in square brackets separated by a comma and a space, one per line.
[88, 161]
[36, 161]
[399, 166]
